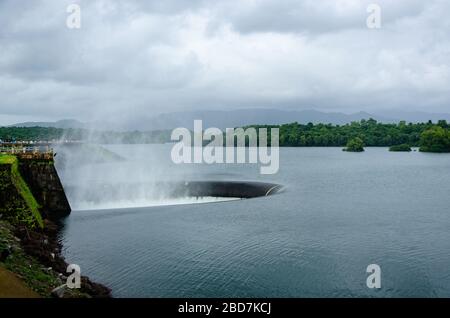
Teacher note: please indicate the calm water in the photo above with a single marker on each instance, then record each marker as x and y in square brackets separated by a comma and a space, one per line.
[339, 213]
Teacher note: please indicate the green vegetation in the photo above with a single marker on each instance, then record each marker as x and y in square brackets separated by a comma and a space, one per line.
[26, 194]
[26, 267]
[372, 133]
[7, 160]
[355, 145]
[22, 215]
[402, 147]
[435, 139]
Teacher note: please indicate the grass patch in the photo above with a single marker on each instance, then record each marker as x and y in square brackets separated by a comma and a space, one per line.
[7, 159]
[23, 189]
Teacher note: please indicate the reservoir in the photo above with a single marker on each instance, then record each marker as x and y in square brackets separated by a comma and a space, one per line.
[338, 213]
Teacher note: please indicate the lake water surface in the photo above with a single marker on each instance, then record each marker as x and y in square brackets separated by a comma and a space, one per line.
[339, 212]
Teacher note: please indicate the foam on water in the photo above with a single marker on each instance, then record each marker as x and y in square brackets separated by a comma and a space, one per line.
[123, 204]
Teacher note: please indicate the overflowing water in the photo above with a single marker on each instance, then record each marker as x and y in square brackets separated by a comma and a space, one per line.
[123, 204]
[339, 213]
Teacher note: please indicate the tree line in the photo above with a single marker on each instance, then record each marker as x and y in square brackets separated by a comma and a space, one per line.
[434, 137]
[371, 132]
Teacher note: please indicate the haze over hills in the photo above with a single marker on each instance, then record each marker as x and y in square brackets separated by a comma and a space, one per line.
[64, 123]
[243, 117]
[238, 118]
[416, 117]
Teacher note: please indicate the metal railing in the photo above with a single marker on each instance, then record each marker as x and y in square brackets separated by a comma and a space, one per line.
[28, 151]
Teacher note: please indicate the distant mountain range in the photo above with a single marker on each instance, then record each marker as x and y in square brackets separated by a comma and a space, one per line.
[238, 118]
[65, 124]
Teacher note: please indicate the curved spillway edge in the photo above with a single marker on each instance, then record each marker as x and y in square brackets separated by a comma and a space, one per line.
[235, 189]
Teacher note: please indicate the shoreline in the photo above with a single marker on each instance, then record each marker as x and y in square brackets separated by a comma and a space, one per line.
[30, 224]
[33, 259]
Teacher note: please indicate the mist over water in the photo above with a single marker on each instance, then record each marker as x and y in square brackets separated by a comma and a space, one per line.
[124, 176]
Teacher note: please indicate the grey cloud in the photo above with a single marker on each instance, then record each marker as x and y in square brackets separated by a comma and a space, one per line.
[311, 16]
[137, 58]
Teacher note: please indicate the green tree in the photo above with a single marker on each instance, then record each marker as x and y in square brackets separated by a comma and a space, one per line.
[435, 139]
[355, 145]
[443, 124]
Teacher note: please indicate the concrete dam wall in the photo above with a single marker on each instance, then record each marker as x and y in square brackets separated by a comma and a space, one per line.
[31, 187]
[43, 181]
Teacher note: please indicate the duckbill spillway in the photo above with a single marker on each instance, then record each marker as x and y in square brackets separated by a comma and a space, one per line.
[125, 195]
[226, 189]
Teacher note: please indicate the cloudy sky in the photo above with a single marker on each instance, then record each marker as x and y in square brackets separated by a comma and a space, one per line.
[138, 58]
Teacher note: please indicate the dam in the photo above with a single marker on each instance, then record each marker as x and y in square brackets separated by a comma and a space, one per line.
[32, 204]
[35, 165]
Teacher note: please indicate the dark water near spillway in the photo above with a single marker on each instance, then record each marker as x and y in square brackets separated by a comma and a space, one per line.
[339, 213]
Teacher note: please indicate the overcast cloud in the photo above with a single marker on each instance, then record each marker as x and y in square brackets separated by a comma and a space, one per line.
[138, 58]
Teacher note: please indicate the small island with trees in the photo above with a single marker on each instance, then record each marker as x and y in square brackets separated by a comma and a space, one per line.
[400, 148]
[355, 145]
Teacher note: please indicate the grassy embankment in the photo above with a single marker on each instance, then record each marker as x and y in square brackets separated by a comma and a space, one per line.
[23, 189]
[21, 275]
